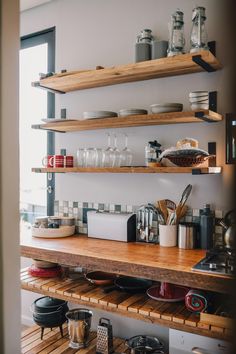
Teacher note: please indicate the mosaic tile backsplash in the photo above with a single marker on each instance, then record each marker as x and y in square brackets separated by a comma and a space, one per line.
[78, 210]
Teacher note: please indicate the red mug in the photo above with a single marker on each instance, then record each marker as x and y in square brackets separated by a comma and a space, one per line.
[57, 161]
[68, 161]
[46, 161]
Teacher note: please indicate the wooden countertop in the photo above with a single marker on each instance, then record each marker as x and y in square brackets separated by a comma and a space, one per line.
[134, 259]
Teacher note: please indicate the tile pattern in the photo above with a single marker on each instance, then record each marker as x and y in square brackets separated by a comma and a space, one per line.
[78, 210]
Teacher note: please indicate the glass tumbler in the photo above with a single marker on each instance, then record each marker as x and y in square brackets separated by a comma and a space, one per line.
[90, 160]
[81, 155]
[98, 158]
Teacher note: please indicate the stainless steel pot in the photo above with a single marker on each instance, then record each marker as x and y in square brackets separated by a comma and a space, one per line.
[79, 327]
[142, 344]
[187, 235]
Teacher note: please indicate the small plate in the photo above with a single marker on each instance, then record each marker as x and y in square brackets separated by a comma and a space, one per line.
[179, 293]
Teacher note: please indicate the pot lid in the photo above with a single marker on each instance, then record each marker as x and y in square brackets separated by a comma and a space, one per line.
[144, 342]
[48, 302]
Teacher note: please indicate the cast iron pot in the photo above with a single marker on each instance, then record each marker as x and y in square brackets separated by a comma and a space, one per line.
[144, 345]
[49, 312]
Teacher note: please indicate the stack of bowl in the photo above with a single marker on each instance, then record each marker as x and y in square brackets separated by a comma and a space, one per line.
[199, 100]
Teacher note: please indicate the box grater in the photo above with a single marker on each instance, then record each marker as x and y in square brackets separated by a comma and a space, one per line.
[104, 337]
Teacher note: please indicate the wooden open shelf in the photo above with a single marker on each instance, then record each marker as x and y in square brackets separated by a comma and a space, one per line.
[131, 121]
[53, 343]
[150, 69]
[195, 170]
[138, 306]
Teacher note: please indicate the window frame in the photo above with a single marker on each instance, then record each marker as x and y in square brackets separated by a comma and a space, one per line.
[31, 40]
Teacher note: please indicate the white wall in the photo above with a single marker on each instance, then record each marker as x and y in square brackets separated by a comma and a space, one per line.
[9, 180]
[90, 33]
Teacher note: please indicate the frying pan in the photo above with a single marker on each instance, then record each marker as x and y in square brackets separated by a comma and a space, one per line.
[100, 278]
[130, 285]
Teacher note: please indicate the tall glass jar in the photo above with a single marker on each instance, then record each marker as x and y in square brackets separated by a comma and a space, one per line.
[176, 34]
[198, 39]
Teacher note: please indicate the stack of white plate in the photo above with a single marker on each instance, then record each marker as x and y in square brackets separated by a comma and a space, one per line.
[199, 100]
[98, 114]
[132, 112]
[166, 107]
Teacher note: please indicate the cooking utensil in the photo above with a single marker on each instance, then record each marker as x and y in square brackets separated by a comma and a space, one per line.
[163, 207]
[143, 344]
[49, 312]
[167, 292]
[79, 327]
[181, 204]
[104, 337]
[100, 278]
[170, 204]
[130, 285]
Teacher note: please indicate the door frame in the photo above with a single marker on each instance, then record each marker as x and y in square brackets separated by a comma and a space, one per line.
[31, 40]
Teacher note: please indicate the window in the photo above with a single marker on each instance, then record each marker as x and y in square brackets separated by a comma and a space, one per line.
[37, 55]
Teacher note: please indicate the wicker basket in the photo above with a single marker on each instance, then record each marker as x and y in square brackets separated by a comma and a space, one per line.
[188, 161]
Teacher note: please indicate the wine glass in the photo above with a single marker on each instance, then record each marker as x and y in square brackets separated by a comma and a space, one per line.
[115, 156]
[107, 153]
[126, 155]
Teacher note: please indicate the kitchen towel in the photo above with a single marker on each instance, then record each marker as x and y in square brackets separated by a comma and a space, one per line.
[196, 300]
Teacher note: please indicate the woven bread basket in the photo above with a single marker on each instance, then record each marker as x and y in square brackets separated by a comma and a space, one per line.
[188, 161]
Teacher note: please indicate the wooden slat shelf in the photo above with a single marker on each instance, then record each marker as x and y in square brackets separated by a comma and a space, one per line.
[131, 121]
[138, 306]
[53, 343]
[134, 259]
[150, 69]
[135, 169]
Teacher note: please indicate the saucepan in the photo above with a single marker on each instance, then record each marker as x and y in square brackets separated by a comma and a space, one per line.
[143, 344]
[129, 284]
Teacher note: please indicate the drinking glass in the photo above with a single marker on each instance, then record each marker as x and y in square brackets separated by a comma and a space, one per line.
[90, 158]
[107, 153]
[126, 155]
[115, 156]
[81, 155]
[98, 158]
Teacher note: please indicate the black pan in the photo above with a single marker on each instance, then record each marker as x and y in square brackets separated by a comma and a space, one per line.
[129, 285]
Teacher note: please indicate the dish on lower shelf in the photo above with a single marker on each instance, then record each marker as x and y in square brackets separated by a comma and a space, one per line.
[172, 293]
[99, 114]
[62, 231]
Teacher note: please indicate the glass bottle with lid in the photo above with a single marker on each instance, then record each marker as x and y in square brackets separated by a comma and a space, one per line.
[143, 45]
[198, 39]
[176, 34]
